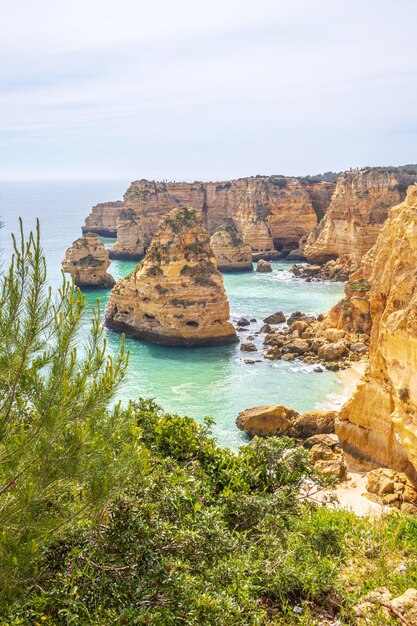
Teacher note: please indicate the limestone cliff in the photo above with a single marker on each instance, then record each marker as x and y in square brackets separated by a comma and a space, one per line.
[87, 260]
[356, 213]
[378, 426]
[270, 212]
[231, 253]
[129, 244]
[103, 219]
[175, 296]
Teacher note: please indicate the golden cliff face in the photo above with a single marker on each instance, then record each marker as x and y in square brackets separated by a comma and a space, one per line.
[87, 260]
[356, 213]
[175, 296]
[269, 212]
[130, 243]
[103, 218]
[232, 254]
[378, 426]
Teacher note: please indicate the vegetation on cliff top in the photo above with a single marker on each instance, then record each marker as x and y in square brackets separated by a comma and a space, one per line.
[136, 516]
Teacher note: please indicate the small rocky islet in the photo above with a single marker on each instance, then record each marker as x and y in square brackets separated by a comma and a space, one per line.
[175, 296]
[359, 239]
[87, 260]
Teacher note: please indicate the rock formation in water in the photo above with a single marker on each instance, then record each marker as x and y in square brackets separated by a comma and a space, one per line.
[129, 244]
[356, 213]
[103, 219]
[175, 296]
[270, 212]
[87, 260]
[378, 426]
[263, 266]
[231, 253]
[326, 341]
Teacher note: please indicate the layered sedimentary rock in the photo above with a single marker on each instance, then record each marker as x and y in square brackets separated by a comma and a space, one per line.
[353, 312]
[129, 244]
[175, 296]
[87, 260]
[270, 212]
[378, 426]
[356, 213]
[103, 218]
[231, 253]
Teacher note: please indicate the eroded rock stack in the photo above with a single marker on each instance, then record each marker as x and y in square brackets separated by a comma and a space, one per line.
[103, 219]
[87, 260]
[231, 253]
[378, 426]
[175, 296]
[130, 242]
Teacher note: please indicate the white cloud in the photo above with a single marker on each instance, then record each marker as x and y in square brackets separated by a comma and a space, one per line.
[205, 90]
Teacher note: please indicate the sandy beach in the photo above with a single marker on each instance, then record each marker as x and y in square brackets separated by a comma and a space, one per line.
[351, 377]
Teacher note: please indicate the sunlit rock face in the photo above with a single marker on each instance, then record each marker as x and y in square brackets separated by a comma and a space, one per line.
[232, 254]
[378, 426]
[130, 241]
[270, 212]
[356, 213]
[103, 219]
[175, 296]
[87, 260]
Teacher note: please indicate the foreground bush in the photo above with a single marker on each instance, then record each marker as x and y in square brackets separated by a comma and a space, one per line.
[202, 536]
[62, 453]
[136, 516]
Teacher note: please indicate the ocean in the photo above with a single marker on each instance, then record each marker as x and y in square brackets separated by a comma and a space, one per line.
[198, 382]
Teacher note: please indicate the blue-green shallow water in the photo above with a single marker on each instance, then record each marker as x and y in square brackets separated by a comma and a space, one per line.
[198, 381]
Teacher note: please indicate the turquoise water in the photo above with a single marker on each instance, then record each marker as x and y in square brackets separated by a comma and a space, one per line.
[199, 381]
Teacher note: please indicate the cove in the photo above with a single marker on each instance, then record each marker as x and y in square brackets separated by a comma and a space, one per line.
[216, 381]
[197, 382]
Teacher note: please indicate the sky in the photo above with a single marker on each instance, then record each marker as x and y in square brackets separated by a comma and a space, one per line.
[205, 90]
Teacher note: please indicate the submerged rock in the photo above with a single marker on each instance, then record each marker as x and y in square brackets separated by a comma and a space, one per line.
[87, 260]
[175, 296]
[231, 252]
[248, 347]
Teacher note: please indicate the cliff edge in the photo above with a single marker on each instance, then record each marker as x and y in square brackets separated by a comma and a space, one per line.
[378, 426]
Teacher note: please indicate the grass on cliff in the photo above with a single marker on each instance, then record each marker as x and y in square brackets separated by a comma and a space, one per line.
[136, 516]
